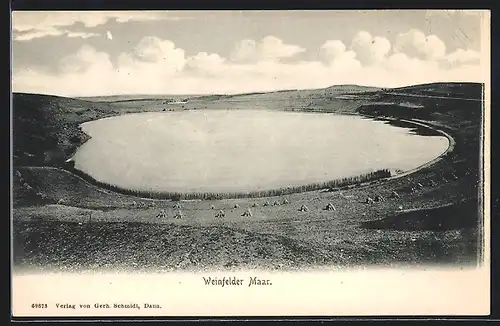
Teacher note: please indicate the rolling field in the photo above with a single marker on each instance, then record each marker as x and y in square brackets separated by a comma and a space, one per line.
[61, 221]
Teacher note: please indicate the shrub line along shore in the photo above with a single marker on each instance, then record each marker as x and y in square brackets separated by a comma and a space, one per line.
[333, 184]
[337, 184]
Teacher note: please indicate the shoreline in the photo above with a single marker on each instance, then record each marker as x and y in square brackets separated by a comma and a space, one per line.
[449, 149]
[269, 193]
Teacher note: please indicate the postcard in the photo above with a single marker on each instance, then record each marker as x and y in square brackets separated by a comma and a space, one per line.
[250, 163]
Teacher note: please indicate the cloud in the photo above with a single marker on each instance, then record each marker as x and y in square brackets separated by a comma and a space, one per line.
[333, 53]
[210, 64]
[27, 20]
[416, 44]
[332, 49]
[158, 66]
[28, 25]
[463, 57]
[400, 63]
[154, 53]
[80, 34]
[38, 33]
[370, 49]
[84, 60]
[268, 49]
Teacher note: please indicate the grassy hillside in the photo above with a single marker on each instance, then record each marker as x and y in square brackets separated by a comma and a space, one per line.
[45, 128]
[48, 185]
[460, 90]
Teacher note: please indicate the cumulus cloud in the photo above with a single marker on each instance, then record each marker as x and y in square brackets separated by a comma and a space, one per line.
[463, 57]
[401, 64]
[334, 54]
[156, 66]
[370, 49]
[151, 56]
[332, 49]
[154, 49]
[416, 44]
[268, 49]
[203, 62]
[84, 60]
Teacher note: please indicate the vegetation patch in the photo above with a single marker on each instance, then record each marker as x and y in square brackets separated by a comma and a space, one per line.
[332, 184]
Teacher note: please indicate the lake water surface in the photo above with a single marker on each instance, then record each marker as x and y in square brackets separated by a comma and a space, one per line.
[244, 150]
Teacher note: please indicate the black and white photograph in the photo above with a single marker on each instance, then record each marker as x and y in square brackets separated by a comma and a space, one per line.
[233, 149]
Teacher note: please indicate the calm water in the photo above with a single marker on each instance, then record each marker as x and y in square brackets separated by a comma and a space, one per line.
[244, 150]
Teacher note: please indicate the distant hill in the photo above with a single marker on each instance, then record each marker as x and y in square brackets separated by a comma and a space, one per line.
[351, 89]
[134, 97]
[441, 88]
[293, 94]
[337, 89]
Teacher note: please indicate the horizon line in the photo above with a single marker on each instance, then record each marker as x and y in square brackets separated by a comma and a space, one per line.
[251, 92]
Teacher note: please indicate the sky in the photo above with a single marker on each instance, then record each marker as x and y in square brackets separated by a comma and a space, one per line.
[205, 52]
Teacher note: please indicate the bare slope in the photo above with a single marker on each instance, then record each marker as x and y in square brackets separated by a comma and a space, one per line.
[163, 247]
[45, 127]
[457, 90]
